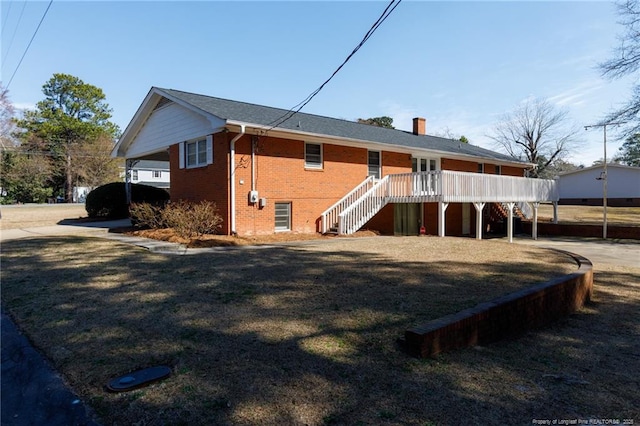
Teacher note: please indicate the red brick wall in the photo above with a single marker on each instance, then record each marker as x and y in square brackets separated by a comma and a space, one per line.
[280, 176]
[513, 171]
[204, 183]
[458, 165]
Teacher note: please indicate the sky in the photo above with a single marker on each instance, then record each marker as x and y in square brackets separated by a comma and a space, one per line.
[462, 65]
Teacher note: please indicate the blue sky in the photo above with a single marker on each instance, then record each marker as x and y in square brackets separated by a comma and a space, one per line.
[461, 65]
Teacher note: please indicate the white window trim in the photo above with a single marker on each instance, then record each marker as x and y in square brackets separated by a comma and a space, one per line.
[313, 165]
[182, 147]
[428, 159]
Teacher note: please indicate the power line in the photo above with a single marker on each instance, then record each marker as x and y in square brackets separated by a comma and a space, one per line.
[15, 30]
[29, 45]
[6, 17]
[293, 111]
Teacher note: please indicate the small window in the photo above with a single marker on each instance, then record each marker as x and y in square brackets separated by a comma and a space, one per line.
[498, 170]
[134, 175]
[374, 164]
[283, 216]
[313, 155]
[157, 174]
[196, 153]
[480, 167]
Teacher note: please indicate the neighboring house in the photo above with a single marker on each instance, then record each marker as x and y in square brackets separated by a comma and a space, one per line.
[149, 172]
[320, 174]
[586, 186]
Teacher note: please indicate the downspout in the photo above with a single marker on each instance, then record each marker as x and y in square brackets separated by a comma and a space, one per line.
[253, 159]
[232, 177]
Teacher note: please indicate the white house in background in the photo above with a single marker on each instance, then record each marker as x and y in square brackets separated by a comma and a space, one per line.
[585, 186]
[144, 172]
[152, 173]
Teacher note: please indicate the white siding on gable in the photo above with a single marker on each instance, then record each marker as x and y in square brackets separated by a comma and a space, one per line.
[168, 126]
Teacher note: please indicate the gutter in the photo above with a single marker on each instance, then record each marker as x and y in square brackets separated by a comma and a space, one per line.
[232, 177]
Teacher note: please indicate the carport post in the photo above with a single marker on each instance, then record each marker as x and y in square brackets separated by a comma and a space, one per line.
[127, 179]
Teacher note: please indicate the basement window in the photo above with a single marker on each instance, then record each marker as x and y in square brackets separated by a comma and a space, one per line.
[283, 216]
[312, 155]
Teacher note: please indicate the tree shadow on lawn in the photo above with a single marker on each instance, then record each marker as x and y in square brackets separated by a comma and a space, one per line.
[286, 335]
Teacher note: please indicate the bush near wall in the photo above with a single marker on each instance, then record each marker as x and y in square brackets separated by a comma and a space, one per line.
[188, 220]
[110, 201]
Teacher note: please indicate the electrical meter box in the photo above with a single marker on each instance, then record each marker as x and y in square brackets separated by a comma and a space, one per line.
[253, 196]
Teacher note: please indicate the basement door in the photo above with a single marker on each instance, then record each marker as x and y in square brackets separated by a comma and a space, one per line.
[406, 219]
[466, 218]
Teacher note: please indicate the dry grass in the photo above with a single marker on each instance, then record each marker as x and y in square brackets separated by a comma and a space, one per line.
[627, 216]
[305, 334]
[33, 215]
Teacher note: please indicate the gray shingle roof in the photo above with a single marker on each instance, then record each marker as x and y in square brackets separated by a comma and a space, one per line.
[267, 116]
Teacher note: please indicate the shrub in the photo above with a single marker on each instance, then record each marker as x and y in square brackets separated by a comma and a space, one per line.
[145, 215]
[110, 201]
[190, 220]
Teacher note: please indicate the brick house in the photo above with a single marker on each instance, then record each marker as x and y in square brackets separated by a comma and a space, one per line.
[320, 174]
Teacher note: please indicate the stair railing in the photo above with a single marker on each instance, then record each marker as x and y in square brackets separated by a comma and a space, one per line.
[330, 216]
[364, 208]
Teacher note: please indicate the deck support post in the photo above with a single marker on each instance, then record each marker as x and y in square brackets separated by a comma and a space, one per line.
[555, 212]
[510, 223]
[534, 225]
[479, 207]
[442, 208]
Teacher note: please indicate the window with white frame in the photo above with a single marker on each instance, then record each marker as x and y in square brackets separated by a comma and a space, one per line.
[196, 153]
[134, 175]
[313, 155]
[157, 174]
[283, 216]
[498, 169]
[480, 167]
[374, 164]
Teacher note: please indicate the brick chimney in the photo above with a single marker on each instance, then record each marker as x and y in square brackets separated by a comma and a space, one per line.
[419, 126]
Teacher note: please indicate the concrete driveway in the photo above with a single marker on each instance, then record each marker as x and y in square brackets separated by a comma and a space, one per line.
[598, 251]
[73, 228]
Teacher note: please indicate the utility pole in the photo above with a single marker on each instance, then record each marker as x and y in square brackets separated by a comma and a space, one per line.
[603, 175]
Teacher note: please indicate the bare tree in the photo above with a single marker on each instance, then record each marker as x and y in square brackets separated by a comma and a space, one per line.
[7, 125]
[536, 132]
[626, 61]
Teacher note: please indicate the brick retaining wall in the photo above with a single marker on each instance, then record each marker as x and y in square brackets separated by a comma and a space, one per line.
[508, 315]
[576, 230]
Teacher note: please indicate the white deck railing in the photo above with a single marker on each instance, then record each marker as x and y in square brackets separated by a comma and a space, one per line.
[460, 187]
[364, 202]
